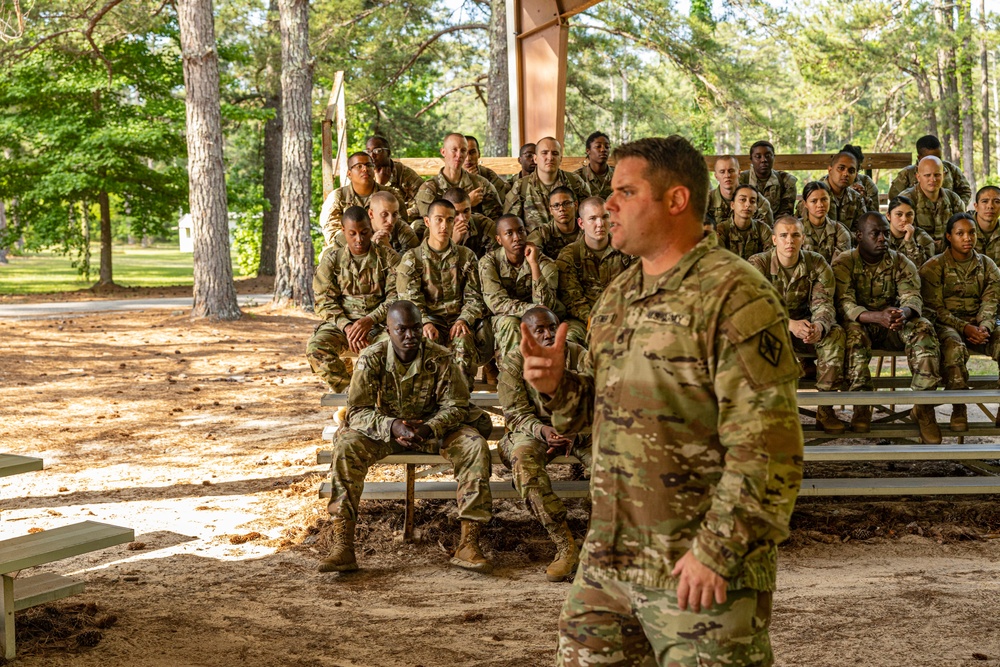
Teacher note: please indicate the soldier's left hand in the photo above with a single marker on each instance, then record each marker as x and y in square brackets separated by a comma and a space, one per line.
[699, 585]
[476, 196]
[976, 335]
[459, 328]
[357, 333]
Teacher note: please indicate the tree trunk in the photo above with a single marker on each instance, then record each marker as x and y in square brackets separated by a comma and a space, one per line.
[214, 291]
[293, 279]
[951, 99]
[105, 278]
[967, 95]
[984, 88]
[85, 245]
[926, 94]
[3, 233]
[272, 147]
[498, 86]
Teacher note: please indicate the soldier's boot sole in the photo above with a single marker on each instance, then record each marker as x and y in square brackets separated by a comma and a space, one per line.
[959, 418]
[827, 419]
[334, 565]
[930, 432]
[484, 567]
[861, 420]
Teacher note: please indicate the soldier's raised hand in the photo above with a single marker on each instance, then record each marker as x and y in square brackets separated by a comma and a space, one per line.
[476, 196]
[543, 366]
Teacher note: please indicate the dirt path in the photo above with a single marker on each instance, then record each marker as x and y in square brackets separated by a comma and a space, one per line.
[202, 437]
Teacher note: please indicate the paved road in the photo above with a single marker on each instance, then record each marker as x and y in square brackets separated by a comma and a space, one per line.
[27, 311]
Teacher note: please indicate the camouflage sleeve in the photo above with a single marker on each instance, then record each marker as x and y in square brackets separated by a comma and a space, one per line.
[512, 203]
[409, 282]
[908, 285]
[538, 237]
[327, 290]
[762, 262]
[933, 296]
[426, 194]
[388, 278]
[579, 185]
[926, 243]
[788, 193]
[899, 183]
[473, 306]
[570, 290]
[362, 398]
[339, 240]
[518, 411]
[492, 205]
[572, 406]
[765, 233]
[846, 298]
[494, 294]
[758, 423]
[453, 400]
[406, 237]
[824, 287]
[987, 315]
[544, 291]
[330, 215]
[764, 212]
[410, 181]
[960, 185]
[843, 240]
[419, 228]
[722, 232]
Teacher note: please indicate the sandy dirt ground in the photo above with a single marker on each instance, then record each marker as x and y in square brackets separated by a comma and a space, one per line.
[202, 437]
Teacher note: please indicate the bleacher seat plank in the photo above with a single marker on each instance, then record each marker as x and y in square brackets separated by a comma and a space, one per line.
[325, 457]
[944, 452]
[900, 486]
[18, 553]
[904, 430]
[330, 430]
[41, 588]
[446, 490]
[15, 464]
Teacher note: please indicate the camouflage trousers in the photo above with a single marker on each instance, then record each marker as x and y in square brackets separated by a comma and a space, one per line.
[469, 350]
[829, 353]
[507, 334]
[955, 351]
[526, 457]
[611, 623]
[354, 453]
[324, 351]
[917, 337]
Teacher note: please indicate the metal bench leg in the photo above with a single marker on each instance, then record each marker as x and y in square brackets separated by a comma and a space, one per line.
[8, 617]
[411, 474]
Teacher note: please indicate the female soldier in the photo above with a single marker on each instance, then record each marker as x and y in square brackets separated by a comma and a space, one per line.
[823, 235]
[914, 243]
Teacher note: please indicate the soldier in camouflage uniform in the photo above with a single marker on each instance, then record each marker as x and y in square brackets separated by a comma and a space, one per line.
[360, 172]
[596, 171]
[482, 194]
[779, 187]
[442, 279]
[587, 266]
[741, 233]
[525, 158]
[530, 442]
[933, 204]
[952, 178]
[863, 184]
[960, 288]
[846, 204]
[878, 299]
[987, 210]
[806, 285]
[720, 199]
[408, 395]
[696, 462]
[528, 198]
[473, 230]
[515, 277]
[827, 237]
[473, 167]
[387, 228]
[906, 238]
[394, 174]
[354, 286]
[553, 236]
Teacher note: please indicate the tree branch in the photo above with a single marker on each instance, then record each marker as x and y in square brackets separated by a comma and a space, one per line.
[439, 98]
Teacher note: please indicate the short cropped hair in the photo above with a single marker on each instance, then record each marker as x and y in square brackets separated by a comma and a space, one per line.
[358, 154]
[385, 197]
[928, 142]
[867, 218]
[562, 190]
[595, 136]
[983, 189]
[671, 161]
[440, 203]
[355, 214]
[762, 142]
[456, 195]
[535, 311]
[788, 219]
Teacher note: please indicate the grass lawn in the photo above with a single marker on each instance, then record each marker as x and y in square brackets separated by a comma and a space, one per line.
[132, 266]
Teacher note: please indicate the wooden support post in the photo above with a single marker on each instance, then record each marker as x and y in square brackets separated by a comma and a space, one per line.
[335, 110]
[411, 474]
[8, 617]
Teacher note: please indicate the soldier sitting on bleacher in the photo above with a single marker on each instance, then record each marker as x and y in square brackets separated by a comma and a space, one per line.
[408, 395]
[960, 288]
[530, 441]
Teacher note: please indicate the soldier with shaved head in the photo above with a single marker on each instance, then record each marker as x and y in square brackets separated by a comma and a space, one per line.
[528, 199]
[454, 151]
[933, 203]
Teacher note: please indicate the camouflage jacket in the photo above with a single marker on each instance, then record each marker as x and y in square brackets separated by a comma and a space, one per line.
[865, 287]
[845, 209]
[401, 239]
[871, 191]
[720, 208]
[444, 286]
[953, 180]
[584, 274]
[988, 243]
[431, 388]
[436, 186]
[406, 182]
[918, 249]
[960, 293]
[551, 241]
[828, 240]
[528, 198]
[780, 189]
[348, 288]
[599, 184]
[931, 216]
[744, 242]
[509, 289]
[524, 408]
[502, 186]
[343, 198]
[697, 441]
[807, 289]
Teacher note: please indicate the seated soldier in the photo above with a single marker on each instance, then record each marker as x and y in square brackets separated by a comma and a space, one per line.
[442, 279]
[863, 184]
[741, 233]
[846, 205]
[525, 158]
[528, 199]
[408, 395]
[387, 228]
[361, 174]
[482, 194]
[595, 170]
[932, 203]
[473, 167]
[720, 199]
[987, 211]
[473, 230]
[878, 299]
[827, 237]
[960, 288]
[530, 442]
[904, 237]
[778, 187]
[394, 174]
[807, 288]
[587, 266]
[354, 286]
[553, 236]
[952, 178]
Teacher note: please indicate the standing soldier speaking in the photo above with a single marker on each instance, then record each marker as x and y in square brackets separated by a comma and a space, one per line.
[697, 444]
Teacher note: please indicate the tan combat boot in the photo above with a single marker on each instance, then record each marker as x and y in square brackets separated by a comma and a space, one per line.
[930, 432]
[827, 419]
[468, 555]
[861, 421]
[567, 555]
[341, 558]
[959, 417]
